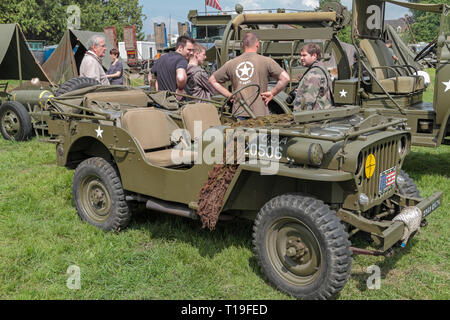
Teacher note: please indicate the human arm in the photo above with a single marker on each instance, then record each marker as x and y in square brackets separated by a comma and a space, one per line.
[114, 75]
[283, 81]
[181, 81]
[218, 87]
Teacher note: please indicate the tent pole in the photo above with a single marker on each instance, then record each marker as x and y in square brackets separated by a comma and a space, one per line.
[19, 58]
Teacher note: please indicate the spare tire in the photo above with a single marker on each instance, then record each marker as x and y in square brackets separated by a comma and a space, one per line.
[75, 84]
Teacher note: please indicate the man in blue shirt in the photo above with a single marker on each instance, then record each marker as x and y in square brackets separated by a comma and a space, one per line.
[170, 69]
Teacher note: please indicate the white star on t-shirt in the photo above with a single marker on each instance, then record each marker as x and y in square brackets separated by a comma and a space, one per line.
[245, 70]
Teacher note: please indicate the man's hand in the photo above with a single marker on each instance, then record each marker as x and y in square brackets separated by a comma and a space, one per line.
[267, 96]
[180, 91]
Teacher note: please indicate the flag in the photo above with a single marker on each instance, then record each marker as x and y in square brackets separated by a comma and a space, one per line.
[213, 3]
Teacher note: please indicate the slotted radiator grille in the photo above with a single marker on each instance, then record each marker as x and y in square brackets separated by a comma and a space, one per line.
[386, 157]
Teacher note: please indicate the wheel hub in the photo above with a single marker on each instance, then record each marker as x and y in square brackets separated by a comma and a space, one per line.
[296, 250]
[96, 199]
[11, 123]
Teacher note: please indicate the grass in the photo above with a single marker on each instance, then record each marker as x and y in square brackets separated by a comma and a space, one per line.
[167, 257]
[428, 95]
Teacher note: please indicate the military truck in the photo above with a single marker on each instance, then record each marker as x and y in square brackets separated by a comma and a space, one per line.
[397, 90]
[309, 181]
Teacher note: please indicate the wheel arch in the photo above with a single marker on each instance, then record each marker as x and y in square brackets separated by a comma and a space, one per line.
[250, 190]
[84, 148]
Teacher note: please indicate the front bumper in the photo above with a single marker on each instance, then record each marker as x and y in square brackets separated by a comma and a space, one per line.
[397, 230]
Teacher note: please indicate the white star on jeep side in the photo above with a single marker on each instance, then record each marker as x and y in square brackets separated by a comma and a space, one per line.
[447, 85]
[343, 93]
[99, 132]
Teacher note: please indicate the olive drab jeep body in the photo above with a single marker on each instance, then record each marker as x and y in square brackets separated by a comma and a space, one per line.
[310, 181]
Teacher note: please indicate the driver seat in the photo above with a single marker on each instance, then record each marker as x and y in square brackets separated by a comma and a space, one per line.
[205, 113]
[387, 72]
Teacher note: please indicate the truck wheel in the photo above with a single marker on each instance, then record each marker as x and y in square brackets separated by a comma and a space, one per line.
[98, 195]
[75, 84]
[15, 121]
[302, 247]
[407, 186]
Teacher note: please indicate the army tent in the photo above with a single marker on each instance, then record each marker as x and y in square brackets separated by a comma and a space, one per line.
[64, 63]
[16, 60]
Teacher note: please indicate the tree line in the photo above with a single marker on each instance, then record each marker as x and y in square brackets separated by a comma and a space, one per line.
[47, 19]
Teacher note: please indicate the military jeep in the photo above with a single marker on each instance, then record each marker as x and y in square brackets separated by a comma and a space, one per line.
[309, 181]
[396, 89]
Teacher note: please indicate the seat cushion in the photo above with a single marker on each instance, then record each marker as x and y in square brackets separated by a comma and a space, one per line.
[170, 157]
[402, 85]
[204, 112]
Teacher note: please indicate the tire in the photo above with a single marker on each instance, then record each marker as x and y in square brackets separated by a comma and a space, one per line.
[15, 121]
[406, 186]
[98, 195]
[75, 84]
[284, 226]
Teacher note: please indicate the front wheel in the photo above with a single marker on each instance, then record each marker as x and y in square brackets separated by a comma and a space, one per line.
[98, 195]
[302, 247]
[15, 121]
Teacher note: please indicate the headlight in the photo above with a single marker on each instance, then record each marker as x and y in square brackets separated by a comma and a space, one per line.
[304, 153]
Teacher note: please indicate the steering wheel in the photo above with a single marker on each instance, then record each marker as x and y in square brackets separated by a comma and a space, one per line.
[427, 50]
[243, 103]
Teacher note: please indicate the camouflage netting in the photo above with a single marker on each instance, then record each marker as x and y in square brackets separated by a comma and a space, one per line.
[210, 199]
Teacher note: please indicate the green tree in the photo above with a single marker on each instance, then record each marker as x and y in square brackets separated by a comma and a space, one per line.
[47, 19]
[426, 24]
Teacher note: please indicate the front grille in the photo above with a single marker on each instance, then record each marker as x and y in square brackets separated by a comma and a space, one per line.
[386, 157]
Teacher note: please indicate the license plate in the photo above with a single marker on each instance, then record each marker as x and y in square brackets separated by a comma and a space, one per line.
[431, 208]
[387, 180]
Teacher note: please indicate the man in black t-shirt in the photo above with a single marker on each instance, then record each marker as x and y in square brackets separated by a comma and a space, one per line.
[170, 69]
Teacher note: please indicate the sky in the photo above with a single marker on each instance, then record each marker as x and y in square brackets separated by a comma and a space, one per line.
[175, 11]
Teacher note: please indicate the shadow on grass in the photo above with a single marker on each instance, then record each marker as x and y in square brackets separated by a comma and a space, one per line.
[235, 233]
[386, 265]
[419, 163]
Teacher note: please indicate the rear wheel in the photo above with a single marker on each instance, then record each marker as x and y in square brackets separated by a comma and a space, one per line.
[75, 84]
[302, 247]
[15, 121]
[98, 195]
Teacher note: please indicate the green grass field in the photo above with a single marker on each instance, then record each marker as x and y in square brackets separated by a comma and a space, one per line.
[167, 257]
